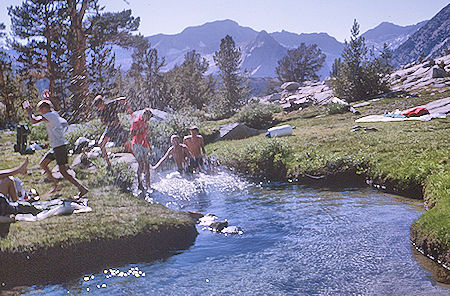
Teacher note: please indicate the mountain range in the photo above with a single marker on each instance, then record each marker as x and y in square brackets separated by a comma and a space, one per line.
[429, 41]
[260, 50]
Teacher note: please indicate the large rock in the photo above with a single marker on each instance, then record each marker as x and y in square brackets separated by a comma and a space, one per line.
[437, 72]
[290, 86]
[235, 131]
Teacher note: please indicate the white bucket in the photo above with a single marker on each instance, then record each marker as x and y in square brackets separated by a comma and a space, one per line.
[279, 131]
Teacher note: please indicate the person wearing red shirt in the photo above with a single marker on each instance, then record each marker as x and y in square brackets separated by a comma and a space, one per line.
[141, 147]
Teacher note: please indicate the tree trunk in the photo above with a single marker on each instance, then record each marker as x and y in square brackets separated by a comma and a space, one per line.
[79, 85]
[4, 94]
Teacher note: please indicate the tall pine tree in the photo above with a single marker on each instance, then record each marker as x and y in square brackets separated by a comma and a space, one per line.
[360, 75]
[149, 88]
[38, 29]
[233, 91]
[188, 87]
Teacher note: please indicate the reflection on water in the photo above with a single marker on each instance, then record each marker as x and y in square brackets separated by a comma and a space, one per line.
[296, 241]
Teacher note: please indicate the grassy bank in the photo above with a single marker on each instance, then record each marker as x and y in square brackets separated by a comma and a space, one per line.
[120, 228]
[409, 158]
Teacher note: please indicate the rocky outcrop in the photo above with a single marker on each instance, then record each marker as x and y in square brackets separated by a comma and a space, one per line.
[422, 76]
[294, 96]
[429, 41]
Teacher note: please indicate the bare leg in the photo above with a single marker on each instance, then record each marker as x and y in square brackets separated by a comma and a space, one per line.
[128, 147]
[147, 174]
[22, 169]
[103, 148]
[74, 181]
[44, 165]
[8, 188]
[139, 176]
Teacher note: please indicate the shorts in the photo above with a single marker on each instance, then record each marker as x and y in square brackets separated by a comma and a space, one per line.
[196, 162]
[59, 154]
[141, 153]
[116, 134]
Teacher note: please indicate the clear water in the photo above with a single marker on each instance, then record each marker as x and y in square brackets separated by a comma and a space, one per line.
[296, 241]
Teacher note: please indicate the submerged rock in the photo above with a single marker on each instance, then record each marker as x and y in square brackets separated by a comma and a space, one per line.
[232, 230]
[218, 226]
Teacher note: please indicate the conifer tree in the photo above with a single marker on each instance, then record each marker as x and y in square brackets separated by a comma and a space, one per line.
[38, 29]
[360, 75]
[188, 87]
[300, 64]
[233, 92]
[149, 88]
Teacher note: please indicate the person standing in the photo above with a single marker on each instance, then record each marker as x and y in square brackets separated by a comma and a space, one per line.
[196, 147]
[141, 147]
[108, 111]
[56, 126]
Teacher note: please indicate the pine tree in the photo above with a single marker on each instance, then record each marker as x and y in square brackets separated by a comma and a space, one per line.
[5, 68]
[38, 28]
[233, 92]
[149, 88]
[188, 87]
[360, 75]
[300, 64]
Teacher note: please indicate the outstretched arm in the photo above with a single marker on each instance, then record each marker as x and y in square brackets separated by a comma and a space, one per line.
[33, 118]
[124, 101]
[164, 158]
[202, 145]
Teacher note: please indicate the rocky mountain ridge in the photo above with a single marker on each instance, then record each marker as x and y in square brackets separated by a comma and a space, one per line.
[430, 41]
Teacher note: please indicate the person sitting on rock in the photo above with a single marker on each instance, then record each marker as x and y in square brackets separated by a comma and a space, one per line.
[141, 147]
[196, 147]
[180, 154]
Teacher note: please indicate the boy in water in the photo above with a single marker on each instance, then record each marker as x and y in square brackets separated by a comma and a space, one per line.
[141, 147]
[108, 112]
[56, 127]
[196, 147]
[180, 154]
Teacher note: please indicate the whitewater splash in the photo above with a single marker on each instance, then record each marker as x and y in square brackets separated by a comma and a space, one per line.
[178, 191]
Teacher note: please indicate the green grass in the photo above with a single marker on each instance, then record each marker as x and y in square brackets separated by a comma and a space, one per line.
[408, 155]
[115, 214]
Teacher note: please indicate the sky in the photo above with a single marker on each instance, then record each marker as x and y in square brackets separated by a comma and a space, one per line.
[334, 17]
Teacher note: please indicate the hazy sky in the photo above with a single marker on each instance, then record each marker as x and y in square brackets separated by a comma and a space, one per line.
[334, 17]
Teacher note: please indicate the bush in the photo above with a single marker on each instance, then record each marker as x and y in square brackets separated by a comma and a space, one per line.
[335, 108]
[257, 115]
[120, 175]
[91, 130]
[263, 159]
[38, 133]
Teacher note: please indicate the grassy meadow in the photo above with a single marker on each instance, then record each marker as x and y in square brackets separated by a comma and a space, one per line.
[410, 157]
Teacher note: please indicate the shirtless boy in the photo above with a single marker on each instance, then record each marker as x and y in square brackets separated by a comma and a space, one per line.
[55, 125]
[179, 152]
[196, 147]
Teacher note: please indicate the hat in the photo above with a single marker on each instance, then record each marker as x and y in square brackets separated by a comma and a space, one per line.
[194, 127]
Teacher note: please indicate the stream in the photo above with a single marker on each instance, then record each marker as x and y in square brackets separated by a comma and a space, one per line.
[296, 241]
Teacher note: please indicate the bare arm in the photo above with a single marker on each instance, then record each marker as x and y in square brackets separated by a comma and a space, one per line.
[33, 118]
[202, 145]
[164, 158]
[124, 101]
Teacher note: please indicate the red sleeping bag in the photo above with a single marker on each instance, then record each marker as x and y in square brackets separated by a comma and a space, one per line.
[415, 112]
